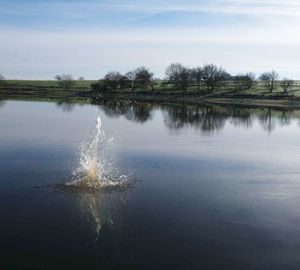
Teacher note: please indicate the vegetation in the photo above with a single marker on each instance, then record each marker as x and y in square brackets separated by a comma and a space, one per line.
[178, 75]
[46, 84]
[2, 80]
[269, 79]
[212, 76]
[137, 78]
[65, 81]
[208, 81]
[196, 75]
[243, 81]
[286, 84]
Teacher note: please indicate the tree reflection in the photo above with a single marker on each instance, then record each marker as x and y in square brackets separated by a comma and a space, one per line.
[269, 118]
[2, 102]
[66, 104]
[114, 108]
[206, 118]
[134, 111]
[241, 118]
[140, 112]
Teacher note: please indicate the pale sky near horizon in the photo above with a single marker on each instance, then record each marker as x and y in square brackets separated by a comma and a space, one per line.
[40, 39]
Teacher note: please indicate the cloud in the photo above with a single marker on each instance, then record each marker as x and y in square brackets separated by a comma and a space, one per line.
[93, 41]
[85, 9]
[38, 54]
[234, 7]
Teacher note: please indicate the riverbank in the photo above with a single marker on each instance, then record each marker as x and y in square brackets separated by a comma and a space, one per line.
[80, 94]
[271, 102]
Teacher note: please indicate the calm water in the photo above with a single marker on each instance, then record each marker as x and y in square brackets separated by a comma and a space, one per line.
[213, 188]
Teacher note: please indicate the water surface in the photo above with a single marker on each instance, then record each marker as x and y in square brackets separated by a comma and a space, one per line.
[213, 188]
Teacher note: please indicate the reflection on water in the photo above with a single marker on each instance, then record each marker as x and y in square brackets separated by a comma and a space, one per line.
[202, 202]
[99, 208]
[206, 118]
[2, 102]
[90, 204]
[137, 112]
[66, 104]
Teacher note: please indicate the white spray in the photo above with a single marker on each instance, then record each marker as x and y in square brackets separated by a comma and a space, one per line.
[94, 171]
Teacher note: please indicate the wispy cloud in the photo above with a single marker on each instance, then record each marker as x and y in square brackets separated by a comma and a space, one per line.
[249, 7]
[85, 9]
[43, 54]
[40, 39]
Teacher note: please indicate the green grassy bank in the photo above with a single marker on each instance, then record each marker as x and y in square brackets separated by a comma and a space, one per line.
[257, 95]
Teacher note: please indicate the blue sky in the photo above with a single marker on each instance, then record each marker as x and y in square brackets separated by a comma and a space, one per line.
[40, 39]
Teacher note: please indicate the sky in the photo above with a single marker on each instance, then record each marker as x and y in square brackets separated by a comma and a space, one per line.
[40, 39]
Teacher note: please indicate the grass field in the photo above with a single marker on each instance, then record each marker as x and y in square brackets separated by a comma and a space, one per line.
[85, 84]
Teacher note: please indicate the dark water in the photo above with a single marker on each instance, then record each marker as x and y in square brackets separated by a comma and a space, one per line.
[214, 188]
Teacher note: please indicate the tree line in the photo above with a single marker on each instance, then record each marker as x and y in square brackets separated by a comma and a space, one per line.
[205, 78]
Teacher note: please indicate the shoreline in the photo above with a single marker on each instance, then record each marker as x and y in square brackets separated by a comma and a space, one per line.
[276, 101]
[256, 102]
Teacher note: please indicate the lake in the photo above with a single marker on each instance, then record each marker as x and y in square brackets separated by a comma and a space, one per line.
[211, 187]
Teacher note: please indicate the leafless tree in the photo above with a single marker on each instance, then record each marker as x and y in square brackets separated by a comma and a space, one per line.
[65, 81]
[99, 87]
[139, 77]
[196, 76]
[213, 76]
[243, 81]
[286, 84]
[178, 75]
[58, 77]
[124, 82]
[143, 77]
[269, 79]
[1, 80]
[130, 76]
[80, 79]
[112, 79]
[250, 80]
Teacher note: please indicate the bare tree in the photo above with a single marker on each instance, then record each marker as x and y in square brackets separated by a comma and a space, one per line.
[58, 77]
[250, 80]
[1, 80]
[139, 77]
[178, 75]
[213, 76]
[80, 79]
[243, 81]
[130, 76]
[112, 79]
[196, 76]
[65, 81]
[269, 79]
[124, 82]
[286, 84]
[143, 77]
[98, 88]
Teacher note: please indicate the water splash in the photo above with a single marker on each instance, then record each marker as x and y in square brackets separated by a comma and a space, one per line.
[96, 169]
